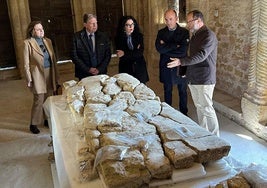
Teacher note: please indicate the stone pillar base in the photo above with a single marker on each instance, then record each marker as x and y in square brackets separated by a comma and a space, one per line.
[255, 117]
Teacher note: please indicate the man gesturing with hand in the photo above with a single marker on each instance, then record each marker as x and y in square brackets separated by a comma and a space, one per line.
[201, 69]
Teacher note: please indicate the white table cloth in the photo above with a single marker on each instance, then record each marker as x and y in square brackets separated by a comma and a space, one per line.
[64, 130]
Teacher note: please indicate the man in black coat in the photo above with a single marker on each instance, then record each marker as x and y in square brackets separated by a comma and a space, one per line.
[172, 41]
[91, 52]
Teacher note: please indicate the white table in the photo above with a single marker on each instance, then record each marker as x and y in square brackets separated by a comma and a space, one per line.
[65, 137]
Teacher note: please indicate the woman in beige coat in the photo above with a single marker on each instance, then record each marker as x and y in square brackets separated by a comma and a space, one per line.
[40, 71]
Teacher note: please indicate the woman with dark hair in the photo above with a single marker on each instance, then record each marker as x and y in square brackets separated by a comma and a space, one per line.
[130, 48]
[40, 71]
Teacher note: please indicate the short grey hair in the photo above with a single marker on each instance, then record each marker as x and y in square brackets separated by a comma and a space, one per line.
[87, 17]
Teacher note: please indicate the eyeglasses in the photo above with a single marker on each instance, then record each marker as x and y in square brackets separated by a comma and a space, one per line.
[191, 21]
[42, 48]
[129, 25]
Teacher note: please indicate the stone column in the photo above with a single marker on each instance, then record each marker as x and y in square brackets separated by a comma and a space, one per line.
[19, 19]
[254, 101]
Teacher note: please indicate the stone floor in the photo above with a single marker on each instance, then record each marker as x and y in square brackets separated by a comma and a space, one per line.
[24, 156]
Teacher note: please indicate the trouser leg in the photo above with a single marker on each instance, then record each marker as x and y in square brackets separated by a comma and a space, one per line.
[168, 93]
[37, 113]
[202, 97]
[182, 90]
[37, 109]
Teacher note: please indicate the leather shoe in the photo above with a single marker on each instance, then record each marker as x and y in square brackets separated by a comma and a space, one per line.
[46, 123]
[34, 129]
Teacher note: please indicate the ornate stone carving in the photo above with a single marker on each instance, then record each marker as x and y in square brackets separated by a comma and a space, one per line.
[254, 101]
[257, 85]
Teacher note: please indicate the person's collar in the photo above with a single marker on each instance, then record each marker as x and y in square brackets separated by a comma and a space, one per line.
[200, 29]
[173, 29]
[38, 38]
[89, 33]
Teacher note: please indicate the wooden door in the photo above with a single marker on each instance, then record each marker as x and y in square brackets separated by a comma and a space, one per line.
[57, 20]
[108, 15]
[7, 50]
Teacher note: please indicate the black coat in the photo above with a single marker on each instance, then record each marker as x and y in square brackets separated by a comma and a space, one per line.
[82, 55]
[175, 45]
[133, 61]
[201, 64]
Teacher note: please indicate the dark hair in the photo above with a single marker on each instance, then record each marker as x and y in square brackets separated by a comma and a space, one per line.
[197, 14]
[87, 17]
[122, 23]
[31, 27]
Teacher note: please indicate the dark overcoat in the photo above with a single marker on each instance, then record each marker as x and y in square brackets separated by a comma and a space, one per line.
[175, 45]
[202, 60]
[82, 55]
[133, 61]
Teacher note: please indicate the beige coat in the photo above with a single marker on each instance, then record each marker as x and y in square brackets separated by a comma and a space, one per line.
[34, 65]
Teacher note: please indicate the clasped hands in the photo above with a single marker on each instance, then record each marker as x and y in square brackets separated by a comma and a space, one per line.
[174, 63]
[93, 71]
[120, 53]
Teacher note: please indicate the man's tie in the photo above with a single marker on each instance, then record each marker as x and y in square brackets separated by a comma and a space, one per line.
[91, 42]
[129, 42]
[93, 54]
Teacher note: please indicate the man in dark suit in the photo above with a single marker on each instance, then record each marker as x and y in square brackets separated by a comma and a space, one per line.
[91, 52]
[172, 41]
